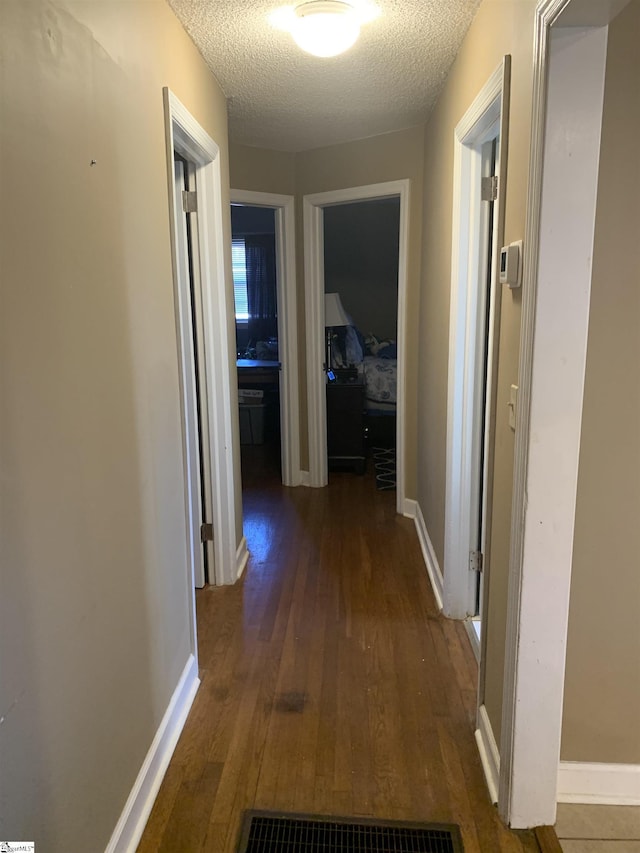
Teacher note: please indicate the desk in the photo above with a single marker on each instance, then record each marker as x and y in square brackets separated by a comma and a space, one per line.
[252, 372]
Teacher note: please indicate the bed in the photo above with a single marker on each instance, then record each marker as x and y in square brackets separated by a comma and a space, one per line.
[380, 379]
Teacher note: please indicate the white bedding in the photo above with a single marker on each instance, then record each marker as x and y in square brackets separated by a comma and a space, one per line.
[380, 377]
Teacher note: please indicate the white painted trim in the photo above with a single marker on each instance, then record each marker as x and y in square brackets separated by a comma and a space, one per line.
[565, 142]
[314, 322]
[186, 136]
[489, 755]
[429, 556]
[188, 368]
[474, 639]
[137, 809]
[410, 508]
[480, 123]
[287, 325]
[403, 286]
[195, 322]
[603, 784]
[314, 318]
[484, 111]
[242, 556]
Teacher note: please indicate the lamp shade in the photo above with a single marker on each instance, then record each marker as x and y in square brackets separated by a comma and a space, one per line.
[334, 313]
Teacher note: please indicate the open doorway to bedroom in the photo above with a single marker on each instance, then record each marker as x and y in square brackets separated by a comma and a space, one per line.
[323, 323]
[361, 246]
[263, 252]
[254, 262]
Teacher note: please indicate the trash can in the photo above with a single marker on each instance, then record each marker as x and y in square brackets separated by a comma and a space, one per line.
[252, 410]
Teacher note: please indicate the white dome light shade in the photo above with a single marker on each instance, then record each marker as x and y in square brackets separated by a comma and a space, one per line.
[325, 27]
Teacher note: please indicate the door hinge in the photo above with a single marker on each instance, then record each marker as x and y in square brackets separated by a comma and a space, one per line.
[489, 188]
[189, 201]
[476, 561]
[206, 532]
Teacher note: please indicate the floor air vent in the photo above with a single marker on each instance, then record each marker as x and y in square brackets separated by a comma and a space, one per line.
[274, 832]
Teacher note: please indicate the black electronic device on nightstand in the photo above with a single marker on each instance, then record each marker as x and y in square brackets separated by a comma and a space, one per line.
[348, 375]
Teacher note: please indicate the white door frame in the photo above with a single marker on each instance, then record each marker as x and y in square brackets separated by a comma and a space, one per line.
[486, 118]
[187, 137]
[313, 206]
[287, 325]
[188, 370]
[569, 71]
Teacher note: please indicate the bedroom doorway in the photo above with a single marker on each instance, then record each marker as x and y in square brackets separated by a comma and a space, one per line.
[361, 288]
[261, 219]
[317, 271]
[253, 255]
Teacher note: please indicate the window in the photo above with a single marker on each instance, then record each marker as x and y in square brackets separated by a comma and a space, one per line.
[239, 266]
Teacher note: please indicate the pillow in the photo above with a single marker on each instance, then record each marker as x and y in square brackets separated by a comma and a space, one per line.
[388, 349]
[381, 348]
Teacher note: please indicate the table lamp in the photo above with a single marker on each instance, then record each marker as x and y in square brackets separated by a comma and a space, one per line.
[334, 315]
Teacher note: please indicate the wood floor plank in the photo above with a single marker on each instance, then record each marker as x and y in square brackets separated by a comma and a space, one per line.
[330, 683]
[162, 809]
[188, 822]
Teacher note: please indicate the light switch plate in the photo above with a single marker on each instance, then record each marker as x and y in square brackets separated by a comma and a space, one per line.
[513, 406]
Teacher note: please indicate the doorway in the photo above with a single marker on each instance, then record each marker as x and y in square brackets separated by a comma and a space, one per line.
[197, 246]
[192, 345]
[482, 416]
[254, 264]
[569, 69]
[361, 291]
[280, 210]
[314, 207]
[478, 228]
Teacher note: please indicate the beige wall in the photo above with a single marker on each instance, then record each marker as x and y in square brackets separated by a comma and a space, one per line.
[94, 623]
[601, 720]
[361, 262]
[500, 27]
[261, 170]
[388, 157]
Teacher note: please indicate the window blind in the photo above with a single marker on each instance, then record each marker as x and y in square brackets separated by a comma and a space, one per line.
[239, 266]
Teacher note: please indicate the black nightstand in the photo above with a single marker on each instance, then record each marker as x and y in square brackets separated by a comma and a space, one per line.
[346, 426]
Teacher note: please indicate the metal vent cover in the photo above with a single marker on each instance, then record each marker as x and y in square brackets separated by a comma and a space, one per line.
[276, 832]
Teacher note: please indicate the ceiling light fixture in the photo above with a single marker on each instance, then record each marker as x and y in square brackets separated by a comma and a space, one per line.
[325, 27]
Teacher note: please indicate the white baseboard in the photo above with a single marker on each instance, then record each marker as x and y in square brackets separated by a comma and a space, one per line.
[304, 478]
[409, 508]
[135, 814]
[489, 755]
[474, 638]
[604, 784]
[429, 555]
[242, 555]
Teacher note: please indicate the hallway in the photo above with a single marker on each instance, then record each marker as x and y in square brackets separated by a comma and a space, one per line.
[330, 684]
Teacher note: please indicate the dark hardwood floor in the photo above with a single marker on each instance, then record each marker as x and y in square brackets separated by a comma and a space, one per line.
[330, 684]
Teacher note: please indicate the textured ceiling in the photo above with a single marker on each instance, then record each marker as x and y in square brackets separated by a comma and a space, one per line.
[282, 98]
